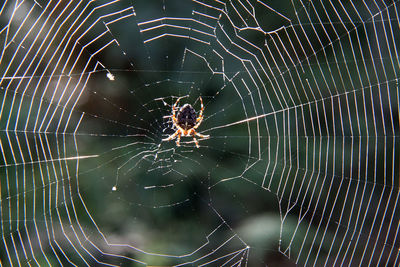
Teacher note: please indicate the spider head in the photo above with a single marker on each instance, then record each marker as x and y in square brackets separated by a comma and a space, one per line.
[186, 117]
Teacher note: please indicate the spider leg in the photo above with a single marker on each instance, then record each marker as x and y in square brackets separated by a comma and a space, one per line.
[200, 135]
[178, 139]
[174, 121]
[194, 133]
[200, 117]
[174, 109]
[171, 136]
[195, 141]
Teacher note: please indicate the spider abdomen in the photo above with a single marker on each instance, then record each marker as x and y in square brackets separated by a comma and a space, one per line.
[186, 117]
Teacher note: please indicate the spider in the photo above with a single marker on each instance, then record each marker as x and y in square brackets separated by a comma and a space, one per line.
[186, 122]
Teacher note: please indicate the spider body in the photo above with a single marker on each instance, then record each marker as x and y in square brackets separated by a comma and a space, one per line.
[186, 117]
[186, 122]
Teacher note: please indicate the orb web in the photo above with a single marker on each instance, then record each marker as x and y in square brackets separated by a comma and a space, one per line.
[301, 102]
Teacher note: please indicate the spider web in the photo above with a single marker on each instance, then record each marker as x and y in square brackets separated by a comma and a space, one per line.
[301, 105]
